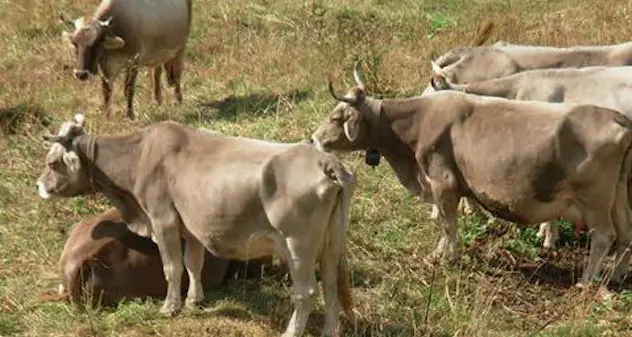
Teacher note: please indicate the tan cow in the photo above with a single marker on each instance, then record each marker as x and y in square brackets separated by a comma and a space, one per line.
[104, 262]
[239, 198]
[480, 63]
[125, 34]
[525, 162]
[604, 86]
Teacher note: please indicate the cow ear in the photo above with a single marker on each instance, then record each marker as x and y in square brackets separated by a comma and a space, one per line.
[72, 161]
[113, 42]
[351, 126]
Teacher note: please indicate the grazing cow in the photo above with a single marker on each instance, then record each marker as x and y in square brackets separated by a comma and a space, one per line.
[127, 35]
[239, 198]
[480, 63]
[105, 262]
[604, 86]
[525, 162]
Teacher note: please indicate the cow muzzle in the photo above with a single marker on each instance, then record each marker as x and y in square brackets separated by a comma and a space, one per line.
[81, 75]
[42, 191]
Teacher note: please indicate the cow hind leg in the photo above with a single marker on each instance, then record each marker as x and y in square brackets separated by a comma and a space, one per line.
[158, 85]
[329, 267]
[193, 262]
[301, 264]
[130, 83]
[601, 239]
[622, 216]
[174, 69]
[106, 87]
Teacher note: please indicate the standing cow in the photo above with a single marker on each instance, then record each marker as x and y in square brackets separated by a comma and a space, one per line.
[104, 262]
[570, 160]
[604, 86]
[239, 198]
[125, 34]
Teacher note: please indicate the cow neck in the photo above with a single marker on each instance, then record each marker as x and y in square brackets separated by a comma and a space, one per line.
[111, 162]
[385, 139]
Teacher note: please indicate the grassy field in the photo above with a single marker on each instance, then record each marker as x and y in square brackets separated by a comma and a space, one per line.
[258, 69]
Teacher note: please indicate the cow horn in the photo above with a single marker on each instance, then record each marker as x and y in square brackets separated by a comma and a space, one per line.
[333, 92]
[64, 19]
[357, 75]
[106, 23]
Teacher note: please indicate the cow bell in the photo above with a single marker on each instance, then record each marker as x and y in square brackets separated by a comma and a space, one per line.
[372, 157]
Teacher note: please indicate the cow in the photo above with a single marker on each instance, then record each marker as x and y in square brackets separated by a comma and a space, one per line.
[239, 198]
[604, 86]
[103, 262]
[480, 63]
[523, 161]
[128, 35]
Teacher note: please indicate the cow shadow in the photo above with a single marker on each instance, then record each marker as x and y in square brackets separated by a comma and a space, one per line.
[234, 107]
[266, 298]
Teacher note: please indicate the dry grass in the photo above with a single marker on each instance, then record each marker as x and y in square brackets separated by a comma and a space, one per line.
[259, 69]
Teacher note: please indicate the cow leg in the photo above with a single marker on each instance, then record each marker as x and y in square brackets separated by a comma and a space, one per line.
[193, 262]
[158, 85]
[166, 232]
[622, 216]
[443, 184]
[550, 233]
[301, 263]
[174, 70]
[601, 239]
[130, 83]
[106, 87]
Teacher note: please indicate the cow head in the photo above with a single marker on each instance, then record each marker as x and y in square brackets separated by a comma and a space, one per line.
[64, 175]
[348, 125]
[90, 39]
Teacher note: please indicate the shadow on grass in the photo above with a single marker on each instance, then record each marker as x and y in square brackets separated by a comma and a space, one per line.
[14, 119]
[266, 298]
[253, 105]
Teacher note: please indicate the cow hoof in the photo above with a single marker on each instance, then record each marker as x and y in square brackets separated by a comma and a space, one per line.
[193, 304]
[170, 310]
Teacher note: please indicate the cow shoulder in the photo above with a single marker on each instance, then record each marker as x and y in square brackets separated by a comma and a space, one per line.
[439, 117]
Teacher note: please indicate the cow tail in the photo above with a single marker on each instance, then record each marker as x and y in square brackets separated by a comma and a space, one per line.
[484, 33]
[346, 180]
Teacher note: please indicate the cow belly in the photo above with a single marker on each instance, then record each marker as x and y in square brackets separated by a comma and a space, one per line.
[241, 246]
[521, 208]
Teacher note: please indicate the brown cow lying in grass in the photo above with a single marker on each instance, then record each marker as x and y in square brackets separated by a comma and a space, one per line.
[525, 162]
[104, 262]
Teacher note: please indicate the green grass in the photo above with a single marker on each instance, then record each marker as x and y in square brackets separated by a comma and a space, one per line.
[259, 69]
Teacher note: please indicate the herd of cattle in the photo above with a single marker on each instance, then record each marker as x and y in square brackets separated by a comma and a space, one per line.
[527, 133]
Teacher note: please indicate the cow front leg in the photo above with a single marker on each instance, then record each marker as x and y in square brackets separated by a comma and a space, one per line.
[130, 86]
[443, 184]
[193, 262]
[167, 236]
